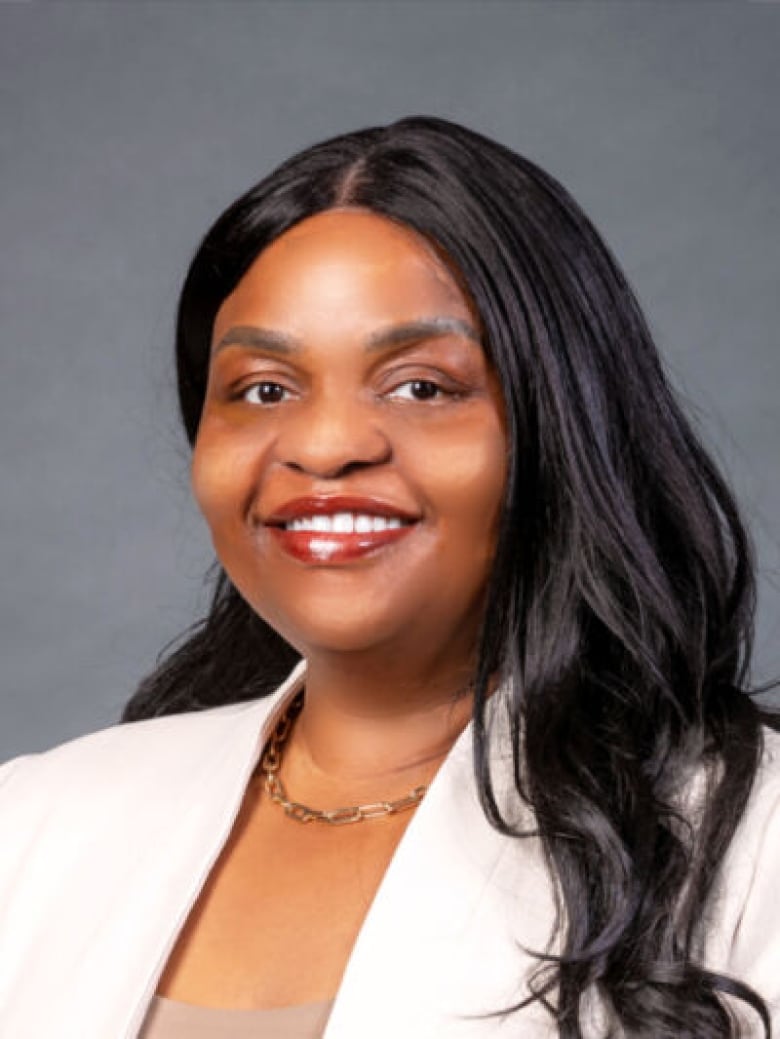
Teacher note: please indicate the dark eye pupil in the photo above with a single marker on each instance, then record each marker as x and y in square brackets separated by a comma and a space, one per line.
[423, 390]
[270, 392]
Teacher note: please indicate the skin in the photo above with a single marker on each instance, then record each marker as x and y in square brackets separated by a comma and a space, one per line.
[389, 637]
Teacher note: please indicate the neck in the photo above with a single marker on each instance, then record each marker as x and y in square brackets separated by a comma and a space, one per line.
[361, 724]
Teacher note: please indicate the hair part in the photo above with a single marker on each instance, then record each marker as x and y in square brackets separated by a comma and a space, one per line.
[622, 597]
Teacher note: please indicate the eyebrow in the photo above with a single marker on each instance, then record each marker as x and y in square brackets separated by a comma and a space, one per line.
[396, 335]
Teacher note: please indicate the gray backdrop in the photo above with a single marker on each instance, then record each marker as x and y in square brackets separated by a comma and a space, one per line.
[126, 127]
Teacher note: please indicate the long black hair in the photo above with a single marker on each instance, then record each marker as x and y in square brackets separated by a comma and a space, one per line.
[622, 596]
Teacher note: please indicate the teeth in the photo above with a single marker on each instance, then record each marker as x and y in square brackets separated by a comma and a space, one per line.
[344, 523]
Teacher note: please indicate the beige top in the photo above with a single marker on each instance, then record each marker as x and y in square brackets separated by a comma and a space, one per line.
[169, 1019]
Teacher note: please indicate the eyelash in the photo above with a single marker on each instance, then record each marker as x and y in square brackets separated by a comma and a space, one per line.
[441, 391]
[243, 394]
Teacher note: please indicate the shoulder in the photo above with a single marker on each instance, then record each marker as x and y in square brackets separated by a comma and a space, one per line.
[105, 841]
[757, 836]
[770, 761]
[744, 919]
[132, 766]
[113, 754]
[764, 802]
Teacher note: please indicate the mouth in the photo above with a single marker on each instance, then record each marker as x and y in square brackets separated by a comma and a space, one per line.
[335, 530]
[345, 523]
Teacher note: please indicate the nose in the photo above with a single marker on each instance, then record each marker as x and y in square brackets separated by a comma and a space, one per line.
[331, 437]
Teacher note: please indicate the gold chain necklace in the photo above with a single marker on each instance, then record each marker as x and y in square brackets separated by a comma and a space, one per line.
[271, 762]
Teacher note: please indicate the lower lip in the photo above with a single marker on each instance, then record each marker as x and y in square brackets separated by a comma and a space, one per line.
[310, 546]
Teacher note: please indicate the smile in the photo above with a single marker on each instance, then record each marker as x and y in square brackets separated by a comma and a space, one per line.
[344, 523]
[337, 528]
[340, 538]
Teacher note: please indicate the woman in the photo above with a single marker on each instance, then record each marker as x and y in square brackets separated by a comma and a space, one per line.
[513, 784]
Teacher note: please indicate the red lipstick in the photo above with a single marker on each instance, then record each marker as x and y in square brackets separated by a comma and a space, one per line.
[331, 529]
[330, 504]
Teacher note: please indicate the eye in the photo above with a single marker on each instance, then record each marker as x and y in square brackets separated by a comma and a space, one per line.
[266, 392]
[418, 390]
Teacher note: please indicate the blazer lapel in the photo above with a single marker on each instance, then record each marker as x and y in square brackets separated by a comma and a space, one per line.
[443, 942]
[107, 842]
[196, 841]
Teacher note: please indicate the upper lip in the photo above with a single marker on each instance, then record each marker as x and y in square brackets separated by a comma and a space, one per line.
[330, 504]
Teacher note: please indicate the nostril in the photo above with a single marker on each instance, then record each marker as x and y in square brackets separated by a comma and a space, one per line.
[332, 472]
[314, 459]
[351, 467]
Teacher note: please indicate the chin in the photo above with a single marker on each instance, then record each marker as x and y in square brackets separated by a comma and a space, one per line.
[334, 629]
[331, 636]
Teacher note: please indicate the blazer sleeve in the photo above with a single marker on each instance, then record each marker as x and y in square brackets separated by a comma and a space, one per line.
[7, 770]
[13, 801]
[751, 895]
[756, 950]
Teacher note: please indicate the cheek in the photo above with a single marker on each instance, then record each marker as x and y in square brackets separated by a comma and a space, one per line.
[469, 477]
[206, 474]
[223, 473]
[481, 499]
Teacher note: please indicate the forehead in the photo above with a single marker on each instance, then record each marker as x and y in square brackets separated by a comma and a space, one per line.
[342, 263]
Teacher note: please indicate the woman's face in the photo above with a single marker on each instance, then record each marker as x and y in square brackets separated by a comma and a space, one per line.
[351, 457]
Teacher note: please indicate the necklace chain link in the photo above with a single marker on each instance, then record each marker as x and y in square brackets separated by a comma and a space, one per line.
[271, 763]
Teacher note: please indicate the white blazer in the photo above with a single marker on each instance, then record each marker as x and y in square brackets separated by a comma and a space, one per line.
[106, 841]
